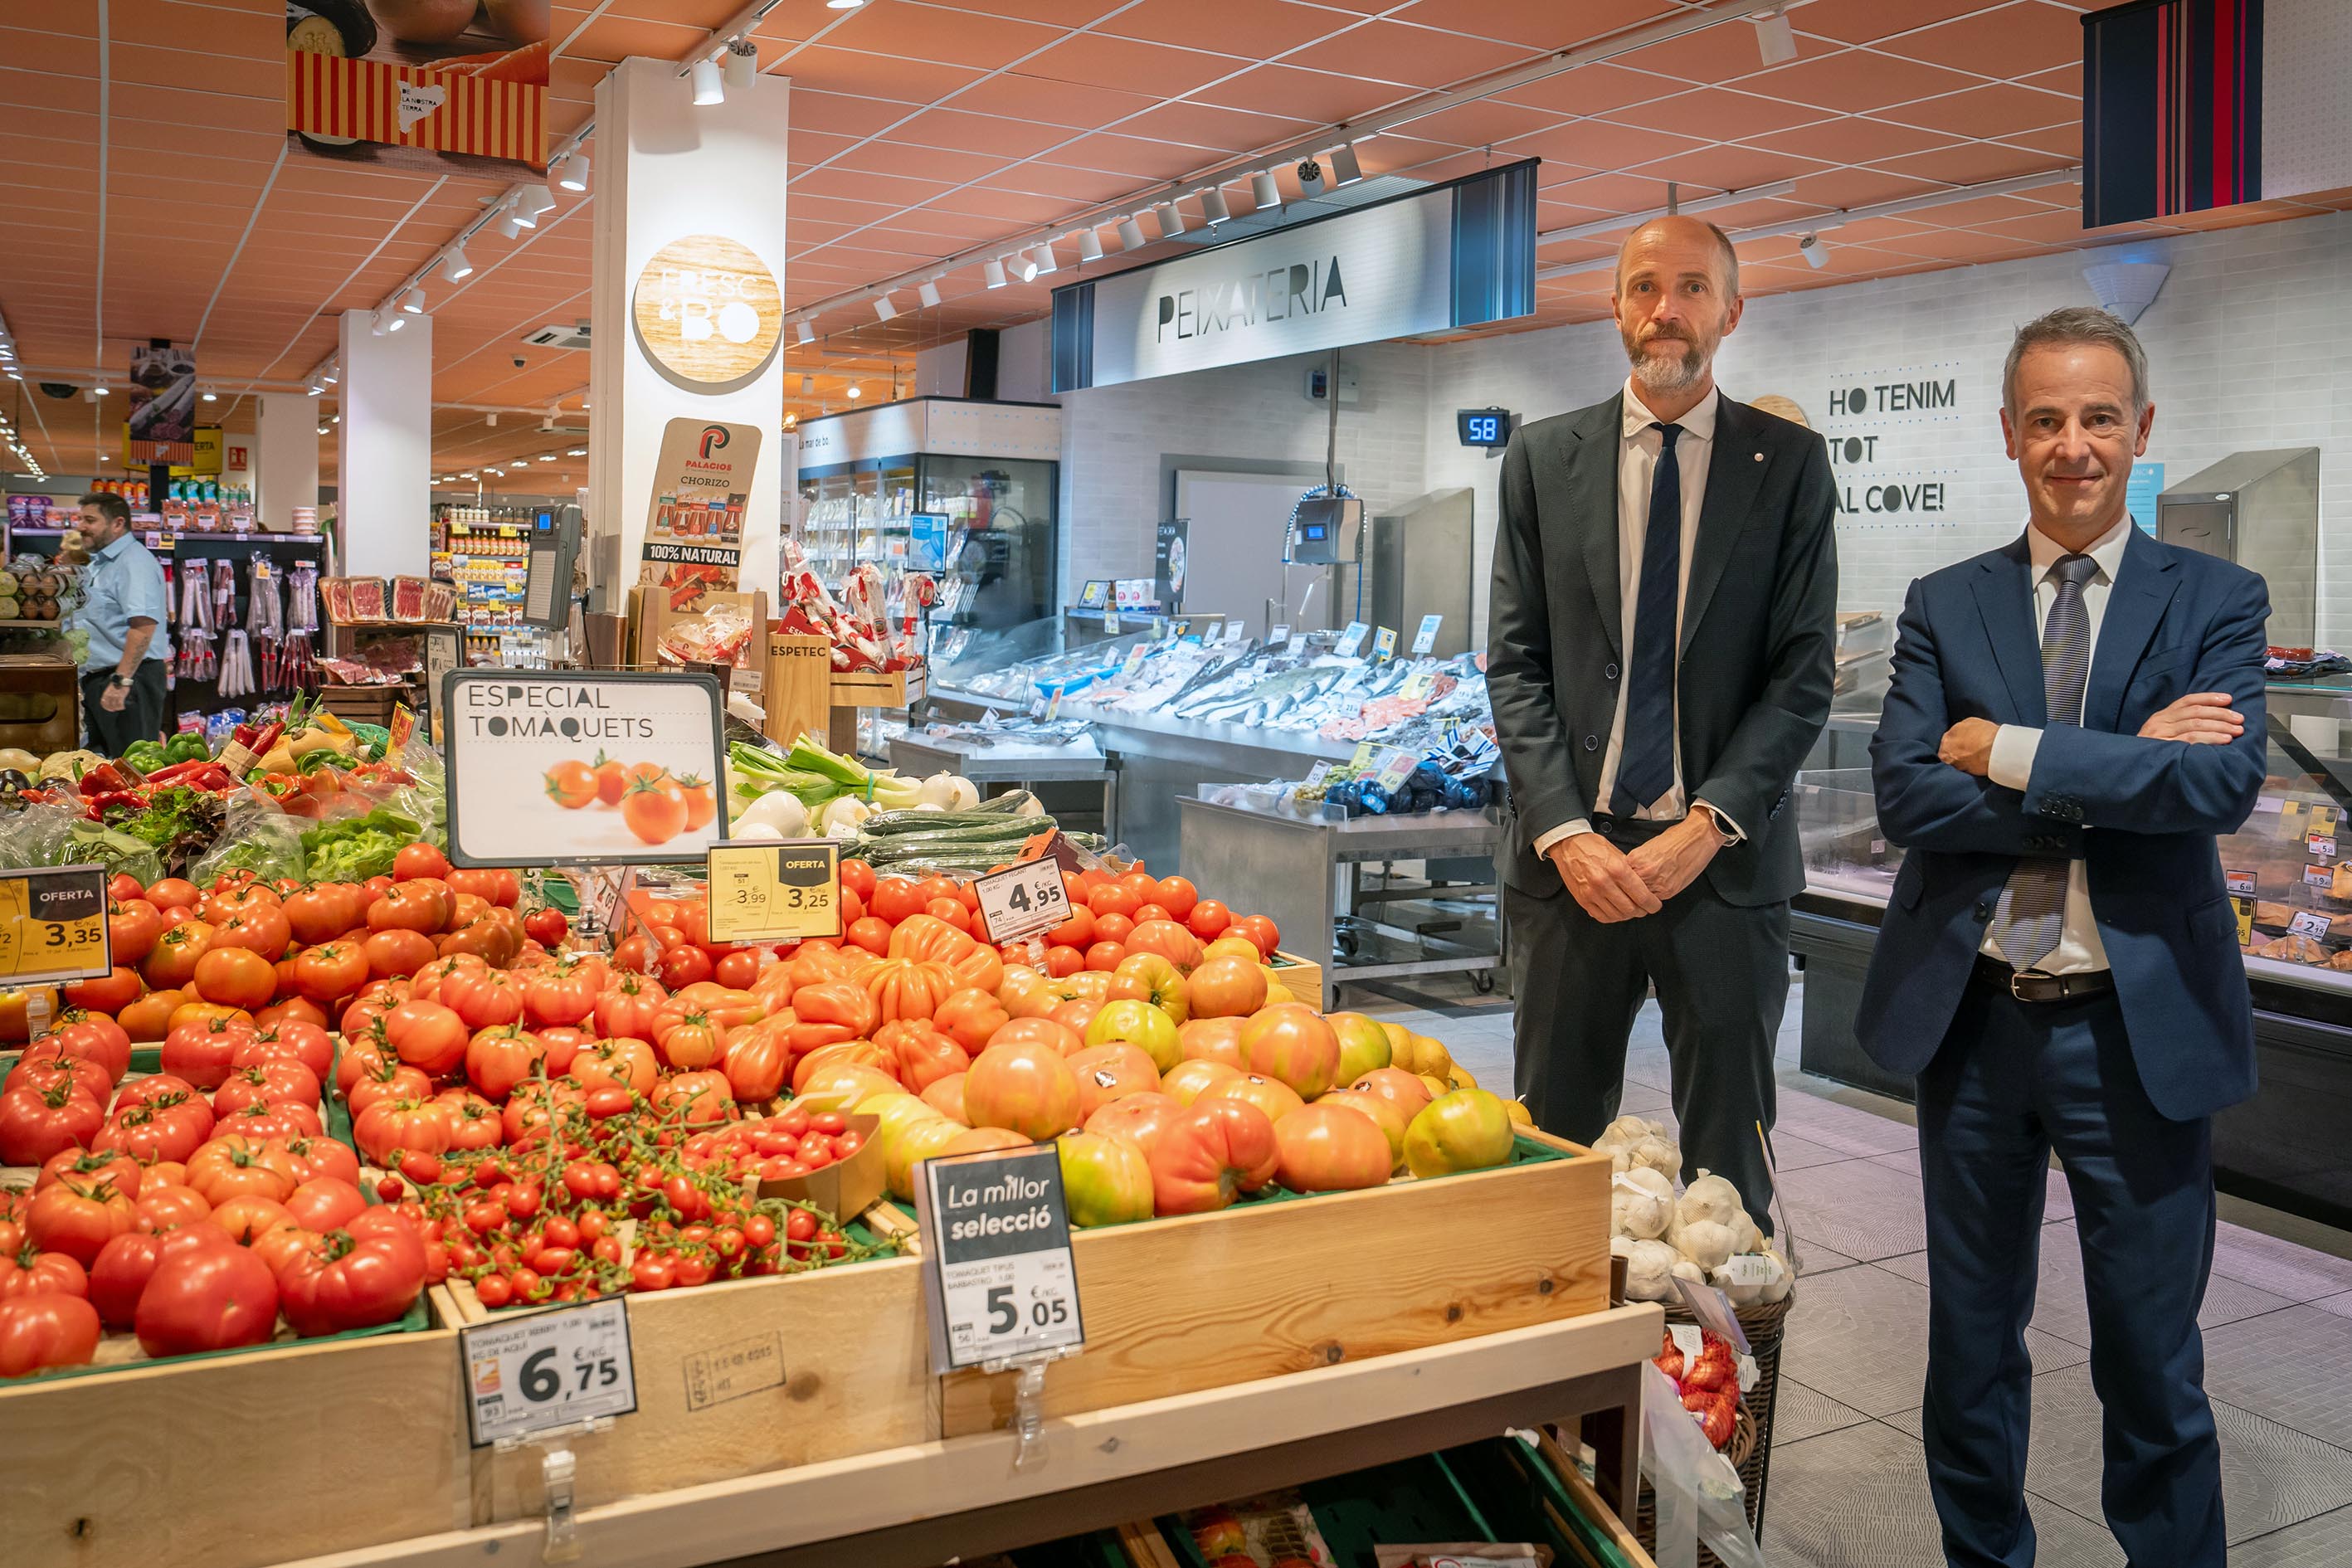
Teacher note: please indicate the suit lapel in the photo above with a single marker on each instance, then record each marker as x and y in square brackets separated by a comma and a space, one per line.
[2144, 588]
[2005, 597]
[1733, 478]
[1591, 481]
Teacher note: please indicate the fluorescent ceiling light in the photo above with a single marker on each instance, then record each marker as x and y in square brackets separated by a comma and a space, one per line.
[1213, 209]
[929, 292]
[1130, 235]
[707, 87]
[1345, 169]
[1264, 191]
[993, 272]
[575, 173]
[1089, 245]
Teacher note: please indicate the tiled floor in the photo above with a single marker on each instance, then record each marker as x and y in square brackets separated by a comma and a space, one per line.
[1849, 1484]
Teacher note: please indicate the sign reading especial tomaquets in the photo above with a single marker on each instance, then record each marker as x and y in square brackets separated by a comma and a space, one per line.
[1449, 256]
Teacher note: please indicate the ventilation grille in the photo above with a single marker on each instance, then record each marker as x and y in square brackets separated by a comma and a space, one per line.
[575, 336]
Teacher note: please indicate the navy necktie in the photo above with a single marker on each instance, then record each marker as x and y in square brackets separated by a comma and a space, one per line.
[1646, 767]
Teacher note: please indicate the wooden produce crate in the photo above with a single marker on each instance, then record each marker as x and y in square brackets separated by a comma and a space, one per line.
[1302, 977]
[1197, 1301]
[738, 1378]
[869, 688]
[798, 695]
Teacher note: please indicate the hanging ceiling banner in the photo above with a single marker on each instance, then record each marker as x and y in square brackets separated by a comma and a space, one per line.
[1456, 254]
[427, 85]
[161, 426]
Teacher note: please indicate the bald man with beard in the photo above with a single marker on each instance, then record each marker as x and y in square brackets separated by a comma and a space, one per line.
[1660, 649]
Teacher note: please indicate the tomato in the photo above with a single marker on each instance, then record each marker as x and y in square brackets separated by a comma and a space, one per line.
[1062, 961]
[369, 1272]
[260, 929]
[418, 860]
[687, 1041]
[1139, 1119]
[28, 1271]
[628, 1008]
[171, 963]
[267, 1082]
[1290, 1042]
[547, 927]
[697, 1098]
[110, 1167]
[1111, 1072]
[1328, 1148]
[1212, 1151]
[481, 998]
[871, 932]
[37, 1123]
[51, 1060]
[234, 976]
[858, 877]
[653, 809]
[162, 1208]
[626, 1061]
[409, 1126]
[1107, 1180]
[428, 1036]
[970, 1017]
[207, 1299]
[149, 1017]
[281, 1119]
[41, 1332]
[684, 965]
[1464, 1130]
[174, 891]
[232, 1166]
[78, 1217]
[1115, 900]
[330, 969]
[951, 910]
[755, 1061]
[1115, 928]
[700, 807]
[109, 993]
[634, 953]
[397, 951]
[896, 898]
[1105, 956]
[422, 906]
[388, 1077]
[1210, 918]
[248, 1218]
[132, 927]
[1024, 1086]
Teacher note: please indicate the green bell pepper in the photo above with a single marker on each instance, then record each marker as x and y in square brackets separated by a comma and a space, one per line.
[147, 756]
[186, 746]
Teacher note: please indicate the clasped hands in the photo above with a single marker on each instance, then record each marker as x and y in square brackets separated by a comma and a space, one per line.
[2200, 719]
[1612, 885]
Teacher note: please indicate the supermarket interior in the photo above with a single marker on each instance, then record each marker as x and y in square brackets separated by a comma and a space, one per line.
[1072, 599]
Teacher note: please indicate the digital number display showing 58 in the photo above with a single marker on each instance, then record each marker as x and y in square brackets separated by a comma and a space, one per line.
[1488, 427]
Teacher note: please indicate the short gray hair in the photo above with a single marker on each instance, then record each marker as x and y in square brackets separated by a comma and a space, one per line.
[1730, 257]
[2074, 324]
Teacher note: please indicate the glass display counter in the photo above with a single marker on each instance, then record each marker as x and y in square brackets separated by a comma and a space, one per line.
[2289, 870]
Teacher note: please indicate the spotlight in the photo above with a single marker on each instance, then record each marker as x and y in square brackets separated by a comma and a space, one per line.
[929, 292]
[1264, 191]
[329, 374]
[884, 309]
[1775, 40]
[742, 63]
[211, 397]
[335, 419]
[856, 390]
[1213, 209]
[1172, 219]
[98, 391]
[315, 389]
[806, 331]
[1025, 267]
[1345, 171]
[491, 420]
[511, 226]
[808, 386]
[1089, 245]
[1815, 253]
[547, 456]
[1130, 235]
[535, 200]
[573, 178]
[1310, 178]
[992, 273]
[707, 87]
[1047, 260]
[323, 430]
[577, 452]
[842, 4]
[413, 302]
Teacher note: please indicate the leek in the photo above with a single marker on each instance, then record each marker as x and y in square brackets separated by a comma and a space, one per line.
[754, 771]
[883, 791]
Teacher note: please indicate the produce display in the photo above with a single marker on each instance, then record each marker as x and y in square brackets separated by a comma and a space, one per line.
[1701, 1234]
[1708, 1382]
[893, 823]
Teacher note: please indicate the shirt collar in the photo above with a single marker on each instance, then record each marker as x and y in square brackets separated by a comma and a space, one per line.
[1698, 424]
[109, 552]
[2107, 549]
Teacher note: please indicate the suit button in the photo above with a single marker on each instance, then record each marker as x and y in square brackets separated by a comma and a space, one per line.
[1984, 911]
[1591, 743]
[1610, 673]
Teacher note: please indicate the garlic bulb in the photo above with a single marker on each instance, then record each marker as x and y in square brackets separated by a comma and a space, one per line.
[1628, 1131]
[1704, 1242]
[1708, 1198]
[1783, 1277]
[1658, 1154]
[1650, 1273]
[1641, 1203]
[1745, 1236]
[1686, 1269]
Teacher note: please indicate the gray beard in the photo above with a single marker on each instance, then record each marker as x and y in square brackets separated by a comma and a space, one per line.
[1678, 375]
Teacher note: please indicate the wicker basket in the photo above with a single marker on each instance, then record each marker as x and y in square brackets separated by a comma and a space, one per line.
[1751, 1448]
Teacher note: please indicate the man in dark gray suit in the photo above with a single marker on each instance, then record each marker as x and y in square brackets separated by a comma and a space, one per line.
[1660, 634]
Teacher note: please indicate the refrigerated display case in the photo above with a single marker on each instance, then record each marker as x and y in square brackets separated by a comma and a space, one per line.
[2289, 871]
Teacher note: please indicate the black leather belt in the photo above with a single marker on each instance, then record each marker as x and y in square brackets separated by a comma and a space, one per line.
[2027, 986]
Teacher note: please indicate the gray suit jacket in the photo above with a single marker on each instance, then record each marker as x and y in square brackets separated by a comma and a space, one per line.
[1759, 634]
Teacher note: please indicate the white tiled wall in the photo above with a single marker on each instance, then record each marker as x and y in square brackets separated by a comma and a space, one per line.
[2249, 346]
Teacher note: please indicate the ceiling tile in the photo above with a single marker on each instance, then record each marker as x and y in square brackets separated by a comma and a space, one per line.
[1850, 139]
[1059, 12]
[1157, 68]
[2063, 140]
[2007, 41]
[1716, 54]
[1599, 144]
[877, 76]
[611, 39]
[1208, 125]
[1593, 90]
[999, 135]
[968, 37]
[1484, 125]
[842, 113]
[1029, 94]
[1324, 99]
[1856, 82]
[1986, 111]
[1970, 164]
[1266, 27]
[1866, 21]
[1076, 187]
[1610, 194]
[944, 164]
[1727, 168]
[1536, 24]
[1719, 113]
[1861, 187]
[1423, 56]
[1131, 155]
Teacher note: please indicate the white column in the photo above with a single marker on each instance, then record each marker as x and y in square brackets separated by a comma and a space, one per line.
[383, 447]
[665, 170]
[286, 457]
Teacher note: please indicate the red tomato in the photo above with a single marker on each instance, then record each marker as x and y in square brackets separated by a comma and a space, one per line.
[1115, 928]
[236, 976]
[1213, 1151]
[416, 860]
[208, 1299]
[330, 969]
[1177, 896]
[655, 810]
[896, 899]
[634, 953]
[1261, 930]
[1115, 900]
[132, 926]
[392, 952]
[428, 1036]
[858, 877]
[948, 909]
[1209, 920]
[873, 935]
[1078, 932]
[1105, 956]
[109, 993]
[370, 1273]
[38, 1331]
[1061, 960]
[684, 965]
[737, 971]
[78, 1217]
[1148, 913]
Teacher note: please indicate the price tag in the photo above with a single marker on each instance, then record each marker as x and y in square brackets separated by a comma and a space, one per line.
[2245, 907]
[1418, 684]
[261, 569]
[1022, 899]
[241, 535]
[2308, 923]
[996, 1257]
[1110, 619]
[154, 539]
[1363, 757]
[1351, 639]
[1317, 773]
[53, 925]
[1396, 769]
[1426, 638]
[1179, 629]
[1054, 709]
[548, 1370]
[1278, 636]
[774, 892]
[1384, 644]
[2321, 846]
[1749, 1269]
[2293, 818]
[1134, 659]
[2317, 876]
[2239, 881]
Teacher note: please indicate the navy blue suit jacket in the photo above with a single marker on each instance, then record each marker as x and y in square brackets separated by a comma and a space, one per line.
[2142, 815]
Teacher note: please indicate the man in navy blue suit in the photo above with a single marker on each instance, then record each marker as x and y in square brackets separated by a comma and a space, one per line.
[2073, 719]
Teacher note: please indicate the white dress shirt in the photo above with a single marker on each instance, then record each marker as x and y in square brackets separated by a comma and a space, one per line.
[1638, 447]
[2079, 950]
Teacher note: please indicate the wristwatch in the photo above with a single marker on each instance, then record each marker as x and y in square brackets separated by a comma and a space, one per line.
[120, 682]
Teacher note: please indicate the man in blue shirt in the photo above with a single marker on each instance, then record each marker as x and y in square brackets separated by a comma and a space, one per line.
[122, 610]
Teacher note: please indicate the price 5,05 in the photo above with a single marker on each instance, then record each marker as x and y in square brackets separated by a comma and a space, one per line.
[1004, 1313]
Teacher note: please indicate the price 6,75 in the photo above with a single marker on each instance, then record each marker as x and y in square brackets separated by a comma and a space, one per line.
[541, 1382]
[1005, 1316]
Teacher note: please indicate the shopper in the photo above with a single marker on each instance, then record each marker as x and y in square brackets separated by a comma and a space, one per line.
[2074, 717]
[122, 610]
[1660, 644]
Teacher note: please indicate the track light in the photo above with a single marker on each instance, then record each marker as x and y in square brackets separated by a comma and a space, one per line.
[323, 430]
[1815, 253]
[1775, 40]
[856, 391]
[455, 268]
[575, 173]
[707, 87]
[884, 310]
[1025, 267]
[842, 4]
[211, 397]
[1345, 169]
[98, 391]
[1130, 235]
[1213, 209]
[335, 419]
[577, 452]
[742, 63]
[1172, 219]
[1047, 260]
[993, 272]
[511, 226]
[413, 302]
[1089, 245]
[928, 293]
[535, 200]
[332, 373]
[491, 420]
[315, 390]
[806, 331]
[1264, 191]
[1310, 178]
[547, 456]
[808, 386]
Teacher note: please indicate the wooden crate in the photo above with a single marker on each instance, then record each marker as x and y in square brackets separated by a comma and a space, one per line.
[875, 689]
[1179, 1305]
[737, 1378]
[354, 1443]
[1302, 977]
[798, 695]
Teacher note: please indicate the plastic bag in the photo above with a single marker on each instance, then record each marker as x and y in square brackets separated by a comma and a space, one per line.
[1699, 1492]
[34, 833]
[256, 835]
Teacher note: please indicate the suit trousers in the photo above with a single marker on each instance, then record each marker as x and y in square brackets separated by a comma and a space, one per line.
[2011, 1081]
[1721, 971]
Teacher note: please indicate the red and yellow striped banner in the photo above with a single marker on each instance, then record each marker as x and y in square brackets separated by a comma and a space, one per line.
[450, 112]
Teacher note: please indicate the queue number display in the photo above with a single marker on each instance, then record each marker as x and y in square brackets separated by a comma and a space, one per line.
[1488, 427]
[53, 925]
[765, 890]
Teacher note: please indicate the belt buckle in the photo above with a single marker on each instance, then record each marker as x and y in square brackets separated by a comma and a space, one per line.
[2015, 978]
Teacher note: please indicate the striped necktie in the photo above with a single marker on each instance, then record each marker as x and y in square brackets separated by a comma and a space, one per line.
[2032, 915]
